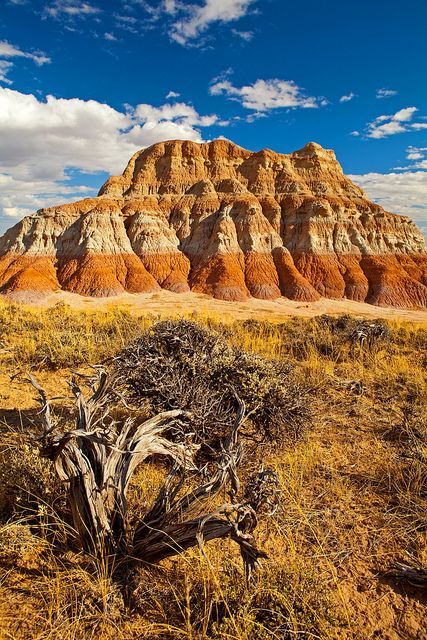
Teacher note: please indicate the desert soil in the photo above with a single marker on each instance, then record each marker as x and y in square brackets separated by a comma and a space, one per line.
[167, 303]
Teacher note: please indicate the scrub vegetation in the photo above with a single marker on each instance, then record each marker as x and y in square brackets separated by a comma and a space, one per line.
[336, 413]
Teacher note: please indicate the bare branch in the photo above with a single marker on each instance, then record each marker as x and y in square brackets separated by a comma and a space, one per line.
[98, 457]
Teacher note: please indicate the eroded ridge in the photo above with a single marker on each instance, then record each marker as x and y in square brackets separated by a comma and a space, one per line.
[217, 219]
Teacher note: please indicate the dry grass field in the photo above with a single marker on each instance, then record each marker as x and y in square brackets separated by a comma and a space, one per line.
[353, 497]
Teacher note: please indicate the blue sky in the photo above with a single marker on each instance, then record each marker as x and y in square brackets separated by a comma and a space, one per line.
[84, 84]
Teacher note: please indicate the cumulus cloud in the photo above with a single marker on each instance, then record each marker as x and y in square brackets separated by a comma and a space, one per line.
[42, 194]
[172, 94]
[180, 112]
[417, 157]
[399, 122]
[385, 93]
[37, 136]
[41, 141]
[348, 97]
[198, 18]
[416, 153]
[404, 193]
[21, 197]
[264, 95]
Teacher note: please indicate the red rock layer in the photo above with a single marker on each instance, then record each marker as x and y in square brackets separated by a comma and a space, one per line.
[27, 273]
[170, 270]
[293, 285]
[222, 221]
[221, 276]
[261, 276]
[391, 285]
[323, 272]
[105, 275]
[355, 280]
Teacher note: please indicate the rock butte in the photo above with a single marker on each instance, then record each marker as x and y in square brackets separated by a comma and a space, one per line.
[220, 220]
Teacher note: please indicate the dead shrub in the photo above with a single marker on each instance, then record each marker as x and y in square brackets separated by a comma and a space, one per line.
[182, 365]
[336, 338]
[365, 333]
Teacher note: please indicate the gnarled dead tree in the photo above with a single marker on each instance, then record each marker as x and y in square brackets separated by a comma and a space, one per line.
[97, 458]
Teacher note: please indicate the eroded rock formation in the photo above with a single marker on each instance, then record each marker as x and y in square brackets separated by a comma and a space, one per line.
[218, 219]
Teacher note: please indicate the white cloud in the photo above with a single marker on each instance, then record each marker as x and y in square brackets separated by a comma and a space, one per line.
[55, 133]
[71, 9]
[8, 50]
[399, 122]
[247, 36]
[404, 115]
[5, 67]
[187, 22]
[418, 157]
[172, 94]
[127, 23]
[170, 6]
[196, 19]
[41, 140]
[110, 37]
[385, 93]
[21, 197]
[178, 112]
[124, 18]
[414, 153]
[404, 193]
[348, 97]
[386, 129]
[264, 95]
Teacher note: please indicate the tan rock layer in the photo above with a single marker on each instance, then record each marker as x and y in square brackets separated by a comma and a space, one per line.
[220, 220]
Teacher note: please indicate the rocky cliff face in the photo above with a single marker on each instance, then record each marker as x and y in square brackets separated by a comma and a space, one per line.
[220, 220]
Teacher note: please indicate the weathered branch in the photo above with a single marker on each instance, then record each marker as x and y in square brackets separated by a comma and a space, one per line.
[97, 461]
[414, 576]
[98, 458]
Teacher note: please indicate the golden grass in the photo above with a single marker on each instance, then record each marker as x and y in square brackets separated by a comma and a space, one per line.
[352, 500]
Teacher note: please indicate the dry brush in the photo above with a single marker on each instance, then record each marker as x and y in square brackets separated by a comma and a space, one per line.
[120, 424]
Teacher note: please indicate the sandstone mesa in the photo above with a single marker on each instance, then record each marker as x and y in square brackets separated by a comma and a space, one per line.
[217, 219]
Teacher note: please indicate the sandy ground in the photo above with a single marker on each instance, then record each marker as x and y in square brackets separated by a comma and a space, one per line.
[167, 303]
